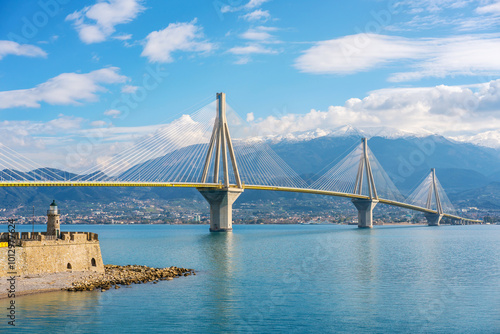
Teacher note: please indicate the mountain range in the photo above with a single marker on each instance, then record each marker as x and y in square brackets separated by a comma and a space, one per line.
[465, 170]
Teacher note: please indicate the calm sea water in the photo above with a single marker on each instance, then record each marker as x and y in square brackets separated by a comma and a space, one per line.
[268, 279]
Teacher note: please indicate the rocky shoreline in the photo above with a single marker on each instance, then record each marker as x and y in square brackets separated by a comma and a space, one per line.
[79, 280]
[115, 276]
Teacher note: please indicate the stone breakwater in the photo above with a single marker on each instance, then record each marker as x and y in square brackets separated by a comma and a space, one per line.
[127, 275]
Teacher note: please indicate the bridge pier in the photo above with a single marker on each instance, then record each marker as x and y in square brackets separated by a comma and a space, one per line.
[433, 219]
[365, 211]
[221, 207]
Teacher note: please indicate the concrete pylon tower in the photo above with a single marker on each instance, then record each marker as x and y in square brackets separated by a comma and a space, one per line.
[433, 219]
[53, 221]
[365, 206]
[221, 200]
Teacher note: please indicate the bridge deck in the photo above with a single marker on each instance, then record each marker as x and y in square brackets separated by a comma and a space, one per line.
[217, 186]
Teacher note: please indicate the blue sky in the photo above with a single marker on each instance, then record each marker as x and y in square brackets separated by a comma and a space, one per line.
[123, 66]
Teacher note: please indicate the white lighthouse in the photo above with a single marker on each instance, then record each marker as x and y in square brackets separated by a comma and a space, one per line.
[53, 222]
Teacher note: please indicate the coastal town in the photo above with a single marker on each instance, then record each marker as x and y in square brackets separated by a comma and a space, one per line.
[196, 211]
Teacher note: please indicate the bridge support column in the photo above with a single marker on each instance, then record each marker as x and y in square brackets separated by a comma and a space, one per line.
[433, 219]
[221, 207]
[365, 211]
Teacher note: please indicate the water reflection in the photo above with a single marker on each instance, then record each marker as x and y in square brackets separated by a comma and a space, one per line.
[50, 310]
[366, 254]
[220, 252]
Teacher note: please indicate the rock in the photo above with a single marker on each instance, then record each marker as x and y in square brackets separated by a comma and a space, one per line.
[125, 275]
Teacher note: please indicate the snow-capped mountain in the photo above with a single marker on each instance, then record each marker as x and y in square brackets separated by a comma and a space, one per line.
[486, 139]
[489, 139]
[312, 134]
[343, 131]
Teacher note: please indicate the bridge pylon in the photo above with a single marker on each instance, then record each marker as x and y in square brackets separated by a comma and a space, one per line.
[365, 205]
[433, 219]
[221, 199]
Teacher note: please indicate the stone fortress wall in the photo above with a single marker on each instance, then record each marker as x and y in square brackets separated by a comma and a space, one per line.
[37, 253]
[49, 252]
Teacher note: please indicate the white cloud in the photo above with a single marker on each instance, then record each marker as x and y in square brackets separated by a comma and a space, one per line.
[248, 6]
[438, 57]
[250, 117]
[465, 55]
[100, 124]
[355, 53]
[193, 133]
[75, 144]
[435, 21]
[257, 15]
[124, 37]
[64, 142]
[478, 23]
[113, 113]
[16, 49]
[264, 28]
[251, 49]
[104, 16]
[121, 134]
[62, 123]
[446, 110]
[434, 5]
[228, 9]
[129, 89]
[64, 89]
[254, 3]
[493, 8]
[463, 15]
[421, 22]
[259, 40]
[32, 135]
[176, 37]
[256, 34]
[242, 60]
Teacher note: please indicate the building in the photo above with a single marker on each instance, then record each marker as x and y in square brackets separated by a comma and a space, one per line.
[51, 251]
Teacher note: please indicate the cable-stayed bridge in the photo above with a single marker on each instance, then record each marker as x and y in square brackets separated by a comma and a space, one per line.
[200, 151]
